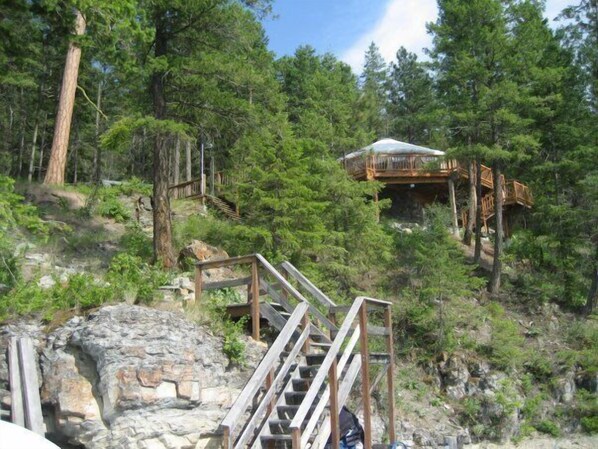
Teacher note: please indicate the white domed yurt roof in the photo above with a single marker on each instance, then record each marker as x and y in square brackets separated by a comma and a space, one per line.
[391, 146]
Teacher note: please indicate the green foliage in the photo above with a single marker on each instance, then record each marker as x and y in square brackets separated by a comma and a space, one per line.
[506, 347]
[129, 273]
[81, 291]
[549, 428]
[137, 243]
[590, 424]
[433, 304]
[15, 216]
[233, 346]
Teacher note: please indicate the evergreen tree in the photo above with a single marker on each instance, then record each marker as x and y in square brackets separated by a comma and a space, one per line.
[373, 93]
[411, 100]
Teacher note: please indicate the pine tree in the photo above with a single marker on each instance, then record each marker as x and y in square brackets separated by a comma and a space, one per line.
[411, 99]
[373, 93]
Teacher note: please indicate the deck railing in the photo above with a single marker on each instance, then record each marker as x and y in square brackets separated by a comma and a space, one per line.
[373, 165]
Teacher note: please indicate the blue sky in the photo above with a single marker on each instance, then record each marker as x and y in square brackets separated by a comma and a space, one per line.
[346, 27]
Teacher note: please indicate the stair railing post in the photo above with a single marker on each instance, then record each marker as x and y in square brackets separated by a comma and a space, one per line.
[226, 439]
[198, 284]
[365, 375]
[305, 325]
[269, 382]
[335, 433]
[296, 435]
[390, 375]
[255, 301]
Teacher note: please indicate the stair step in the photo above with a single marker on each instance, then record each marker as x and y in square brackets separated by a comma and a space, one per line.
[308, 372]
[288, 411]
[317, 359]
[278, 426]
[320, 344]
[276, 441]
[301, 384]
[294, 397]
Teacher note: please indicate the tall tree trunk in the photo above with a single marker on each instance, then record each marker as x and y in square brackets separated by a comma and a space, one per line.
[188, 171]
[97, 151]
[23, 129]
[57, 163]
[592, 298]
[42, 147]
[478, 211]
[471, 204]
[163, 251]
[32, 158]
[177, 161]
[494, 285]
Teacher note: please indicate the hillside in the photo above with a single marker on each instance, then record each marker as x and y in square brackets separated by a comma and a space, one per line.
[469, 368]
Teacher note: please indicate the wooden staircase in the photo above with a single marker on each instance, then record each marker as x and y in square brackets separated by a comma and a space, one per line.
[192, 190]
[295, 395]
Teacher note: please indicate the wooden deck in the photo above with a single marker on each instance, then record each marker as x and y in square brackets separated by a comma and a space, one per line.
[420, 169]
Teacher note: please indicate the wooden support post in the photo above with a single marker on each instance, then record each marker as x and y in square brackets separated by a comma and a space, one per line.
[377, 208]
[332, 318]
[296, 436]
[392, 435]
[365, 375]
[305, 325]
[16, 393]
[453, 203]
[198, 284]
[226, 439]
[255, 301]
[269, 382]
[335, 433]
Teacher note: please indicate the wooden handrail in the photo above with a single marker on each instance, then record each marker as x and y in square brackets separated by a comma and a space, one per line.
[307, 284]
[259, 376]
[320, 377]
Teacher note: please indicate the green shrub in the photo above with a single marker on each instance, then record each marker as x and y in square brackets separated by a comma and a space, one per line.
[130, 273]
[548, 427]
[134, 186]
[112, 207]
[505, 349]
[81, 291]
[137, 243]
[217, 300]
[590, 424]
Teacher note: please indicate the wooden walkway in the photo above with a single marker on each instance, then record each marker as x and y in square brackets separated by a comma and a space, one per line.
[295, 395]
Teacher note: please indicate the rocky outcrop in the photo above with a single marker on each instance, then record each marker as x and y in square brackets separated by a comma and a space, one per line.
[135, 378]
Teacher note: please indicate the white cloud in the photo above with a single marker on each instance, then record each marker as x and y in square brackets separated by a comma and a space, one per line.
[402, 24]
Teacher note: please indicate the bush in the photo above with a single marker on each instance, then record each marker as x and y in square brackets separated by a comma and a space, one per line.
[590, 424]
[130, 273]
[81, 291]
[548, 427]
[137, 243]
[506, 344]
[111, 207]
[234, 347]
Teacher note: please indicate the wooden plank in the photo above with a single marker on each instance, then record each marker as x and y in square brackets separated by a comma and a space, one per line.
[239, 260]
[273, 316]
[307, 284]
[257, 379]
[229, 283]
[293, 291]
[16, 392]
[269, 396]
[31, 400]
